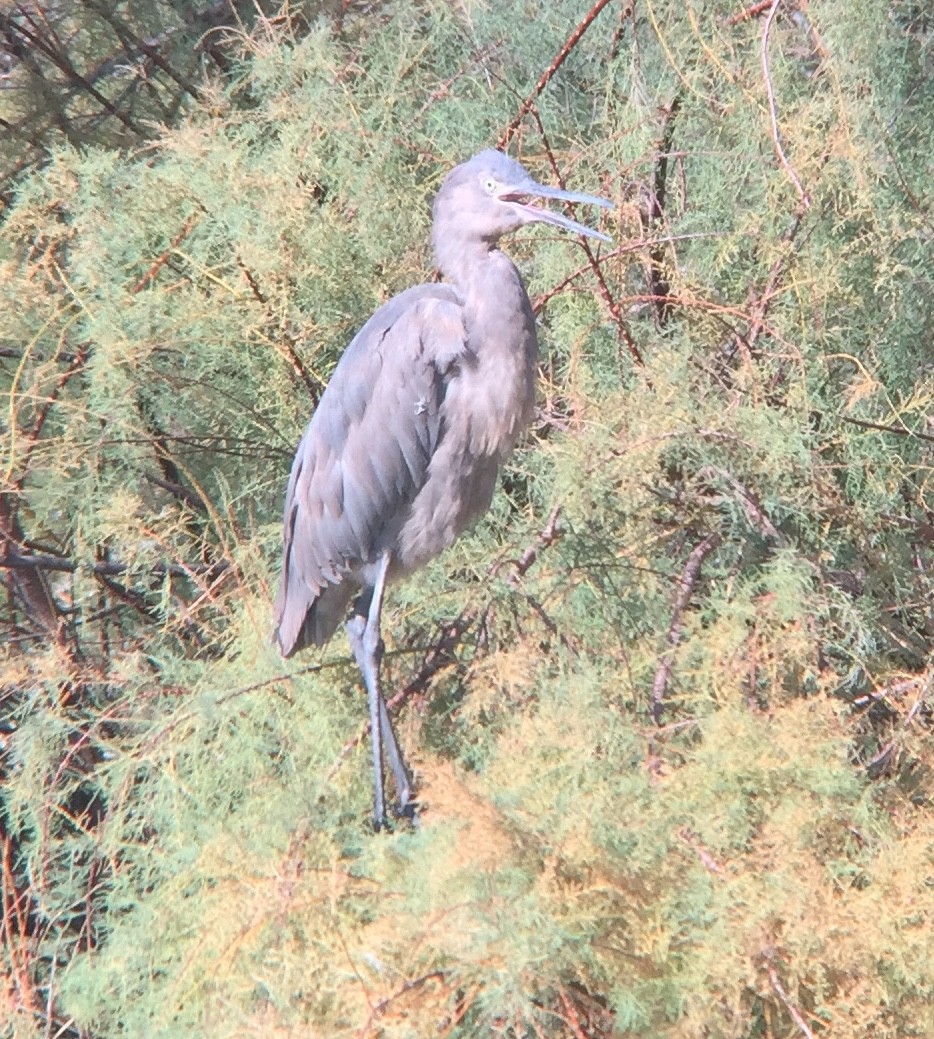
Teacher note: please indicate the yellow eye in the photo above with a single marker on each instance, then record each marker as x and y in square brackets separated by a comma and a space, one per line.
[489, 185]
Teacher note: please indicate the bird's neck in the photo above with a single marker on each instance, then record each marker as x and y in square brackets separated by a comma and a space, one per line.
[457, 257]
[469, 263]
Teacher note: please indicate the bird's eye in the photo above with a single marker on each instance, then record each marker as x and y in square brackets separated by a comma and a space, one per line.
[489, 185]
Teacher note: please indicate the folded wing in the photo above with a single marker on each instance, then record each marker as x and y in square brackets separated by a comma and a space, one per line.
[364, 457]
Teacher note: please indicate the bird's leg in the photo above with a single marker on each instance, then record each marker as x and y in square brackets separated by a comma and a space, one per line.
[397, 763]
[368, 655]
[367, 647]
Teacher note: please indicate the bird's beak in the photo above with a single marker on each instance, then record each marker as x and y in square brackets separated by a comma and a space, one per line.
[519, 196]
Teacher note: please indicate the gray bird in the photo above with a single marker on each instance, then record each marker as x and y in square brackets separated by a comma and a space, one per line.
[403, 450]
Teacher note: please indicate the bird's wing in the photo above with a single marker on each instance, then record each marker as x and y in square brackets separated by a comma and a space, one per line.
[365, 455]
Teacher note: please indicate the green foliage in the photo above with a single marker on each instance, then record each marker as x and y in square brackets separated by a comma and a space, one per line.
[668, 704]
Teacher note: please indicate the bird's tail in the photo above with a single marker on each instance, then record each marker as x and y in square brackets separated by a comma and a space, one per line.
[305, 622]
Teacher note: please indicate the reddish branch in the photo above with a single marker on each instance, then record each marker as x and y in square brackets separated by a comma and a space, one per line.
[548, 536]
[760, 303]
[545, 77]
[636, 245]
[571, 1015]
[793, 1011]
[750, 12]
[380, 1007]
[692, 841]
[612, 305]
[689, 576]
[15, 935]
[163, 259]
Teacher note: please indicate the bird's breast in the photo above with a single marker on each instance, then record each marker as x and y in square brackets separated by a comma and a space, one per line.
[488, 401]
[497, 375]
[497, 393]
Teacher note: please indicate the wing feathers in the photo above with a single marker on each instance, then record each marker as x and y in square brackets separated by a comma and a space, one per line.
[364, 457]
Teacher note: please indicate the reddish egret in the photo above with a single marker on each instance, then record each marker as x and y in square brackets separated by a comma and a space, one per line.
[403, 450]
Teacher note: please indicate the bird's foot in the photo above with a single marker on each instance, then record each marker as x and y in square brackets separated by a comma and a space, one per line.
[407, 811]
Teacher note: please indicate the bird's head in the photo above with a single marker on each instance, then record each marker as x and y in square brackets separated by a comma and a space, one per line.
[490, 195]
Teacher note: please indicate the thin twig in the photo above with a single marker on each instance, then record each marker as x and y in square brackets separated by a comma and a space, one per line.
[62, 61]
[760, 304]
[464, 1003]
[773, 114]
[750, 503]
[442, 91]
[686, 585]
[439, 655]
[637, 245]
[132, 43]
[897, 430]
[545, 77]
[407, 986]
[32, 437]
[657, 273]
[14, 930]
[286, 346]
[612, 305]
[161, 261]
[789, 1006]
[548, 536]
[750, 12]
[571, 1016]
[693, 842]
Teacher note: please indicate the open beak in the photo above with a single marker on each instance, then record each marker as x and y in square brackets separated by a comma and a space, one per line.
[520, 195]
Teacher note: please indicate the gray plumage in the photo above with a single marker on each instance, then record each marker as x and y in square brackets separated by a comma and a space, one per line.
[404, 448]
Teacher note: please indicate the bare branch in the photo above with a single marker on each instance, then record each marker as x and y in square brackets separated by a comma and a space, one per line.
[794, 1012]
[750, 13]
[691, 839]
[61, 60]
[287, 342]
[571, 1015]
[545, 77]
[132, 44]
[689, 576]
[897, 430]
[163, 258]
[16, 561]
[750, 503]
[548, 536]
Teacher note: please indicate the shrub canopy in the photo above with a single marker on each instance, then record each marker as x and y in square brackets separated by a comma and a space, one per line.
[668, 704]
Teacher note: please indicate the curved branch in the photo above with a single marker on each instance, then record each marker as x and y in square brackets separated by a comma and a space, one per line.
[773, 114]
